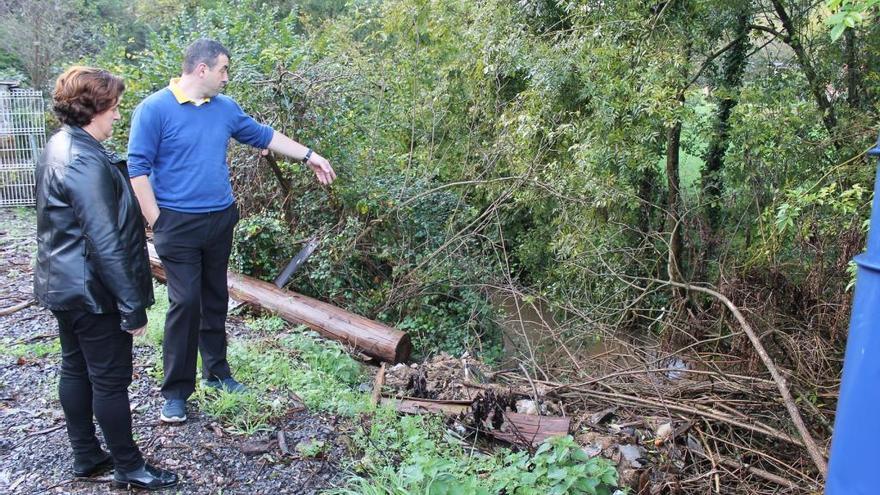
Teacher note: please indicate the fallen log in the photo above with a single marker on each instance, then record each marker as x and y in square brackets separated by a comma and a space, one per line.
[370, 337]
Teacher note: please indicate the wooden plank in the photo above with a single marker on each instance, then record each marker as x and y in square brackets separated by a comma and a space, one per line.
[374, 339]
[378, 383]
[415, 406]
[530, 429]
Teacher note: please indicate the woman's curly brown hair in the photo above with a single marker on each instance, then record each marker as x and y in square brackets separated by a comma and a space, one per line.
[82, 92]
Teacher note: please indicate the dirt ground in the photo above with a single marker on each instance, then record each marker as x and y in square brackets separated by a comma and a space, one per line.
[35, 456]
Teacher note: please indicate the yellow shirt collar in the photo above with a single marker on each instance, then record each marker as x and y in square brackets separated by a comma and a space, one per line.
[180, 96]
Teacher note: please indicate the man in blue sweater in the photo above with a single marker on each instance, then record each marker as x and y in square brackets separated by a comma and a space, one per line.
[177, 164]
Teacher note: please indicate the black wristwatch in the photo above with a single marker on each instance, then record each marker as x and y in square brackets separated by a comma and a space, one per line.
[308, 155]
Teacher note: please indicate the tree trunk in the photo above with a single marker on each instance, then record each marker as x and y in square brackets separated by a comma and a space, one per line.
[792, 38]
[370, 337]
[713, 184]
[647, 188]
[853, 74]
[673, 203]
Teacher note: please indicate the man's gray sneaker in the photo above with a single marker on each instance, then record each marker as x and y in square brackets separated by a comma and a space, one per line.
[228, 384]
[174, 411]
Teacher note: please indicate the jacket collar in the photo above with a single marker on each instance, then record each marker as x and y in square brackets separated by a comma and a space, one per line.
[81, 135]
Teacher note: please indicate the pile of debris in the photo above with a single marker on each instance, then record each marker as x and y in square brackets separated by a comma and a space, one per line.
[657, 450]
[672, 426]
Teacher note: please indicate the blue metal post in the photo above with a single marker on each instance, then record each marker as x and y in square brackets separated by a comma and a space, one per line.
[853, 467]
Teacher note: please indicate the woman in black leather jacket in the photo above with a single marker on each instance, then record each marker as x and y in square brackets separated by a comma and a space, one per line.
[93, 272]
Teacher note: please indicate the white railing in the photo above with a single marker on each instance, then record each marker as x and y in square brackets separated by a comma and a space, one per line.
[22, 138]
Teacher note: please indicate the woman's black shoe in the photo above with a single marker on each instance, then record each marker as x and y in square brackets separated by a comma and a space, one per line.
[86, 468]
[147, 478]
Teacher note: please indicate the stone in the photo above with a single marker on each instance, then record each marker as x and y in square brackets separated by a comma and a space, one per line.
[631, 454]
[525, 406]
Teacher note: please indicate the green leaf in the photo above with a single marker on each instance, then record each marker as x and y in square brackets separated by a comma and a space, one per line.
[557, 473]
[837, 31]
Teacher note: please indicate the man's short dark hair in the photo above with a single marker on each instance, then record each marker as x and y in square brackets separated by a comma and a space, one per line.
[202, 51]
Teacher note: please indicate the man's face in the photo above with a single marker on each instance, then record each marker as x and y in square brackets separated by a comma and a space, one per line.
[215, 79]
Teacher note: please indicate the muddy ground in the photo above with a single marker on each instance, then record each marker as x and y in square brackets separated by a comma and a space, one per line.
[35, 455]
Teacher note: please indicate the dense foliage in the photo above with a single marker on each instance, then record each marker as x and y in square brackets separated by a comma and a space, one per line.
[574, 153]
[571, 156]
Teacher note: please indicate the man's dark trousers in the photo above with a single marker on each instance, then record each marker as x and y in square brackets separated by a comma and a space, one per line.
[194, 249]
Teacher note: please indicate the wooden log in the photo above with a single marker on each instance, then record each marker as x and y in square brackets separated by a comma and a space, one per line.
[374, 339]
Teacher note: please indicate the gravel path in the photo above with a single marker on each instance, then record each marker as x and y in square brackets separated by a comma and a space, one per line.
[35, 456]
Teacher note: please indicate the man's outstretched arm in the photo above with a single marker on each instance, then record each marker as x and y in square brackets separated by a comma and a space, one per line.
[290, 148]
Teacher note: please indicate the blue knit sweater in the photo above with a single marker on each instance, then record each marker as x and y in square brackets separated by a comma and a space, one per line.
[182, 148]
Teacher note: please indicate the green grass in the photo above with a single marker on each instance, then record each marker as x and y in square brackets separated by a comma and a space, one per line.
[18, 228]
[154, 335]
[285, 373]
[245, 414]
[22, 224]
[279, 371]
[156, 316]
[689, 169]
[35, 350]
[690, 165]
[285, 368]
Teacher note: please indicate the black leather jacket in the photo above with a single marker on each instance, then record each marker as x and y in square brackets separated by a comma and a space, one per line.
[91, 246]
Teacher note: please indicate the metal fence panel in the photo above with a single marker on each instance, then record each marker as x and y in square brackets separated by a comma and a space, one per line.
[22, 138]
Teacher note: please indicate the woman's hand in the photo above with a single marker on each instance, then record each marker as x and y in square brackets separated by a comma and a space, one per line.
[137, 332]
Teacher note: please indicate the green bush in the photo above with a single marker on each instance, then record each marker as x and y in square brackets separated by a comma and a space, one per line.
[261, 247]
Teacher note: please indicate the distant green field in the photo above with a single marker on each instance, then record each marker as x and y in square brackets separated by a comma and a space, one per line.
[689, 169]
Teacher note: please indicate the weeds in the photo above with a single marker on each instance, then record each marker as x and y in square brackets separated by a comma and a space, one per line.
[413, 454]
[156, 316]
[311, 449]
[36, 350]
[245, 414]
[297, 370]
[286, 369]
[267, 325]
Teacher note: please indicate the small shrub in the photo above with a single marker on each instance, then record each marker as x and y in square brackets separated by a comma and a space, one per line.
[261, 246]
[267, 324]
[311, 448]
